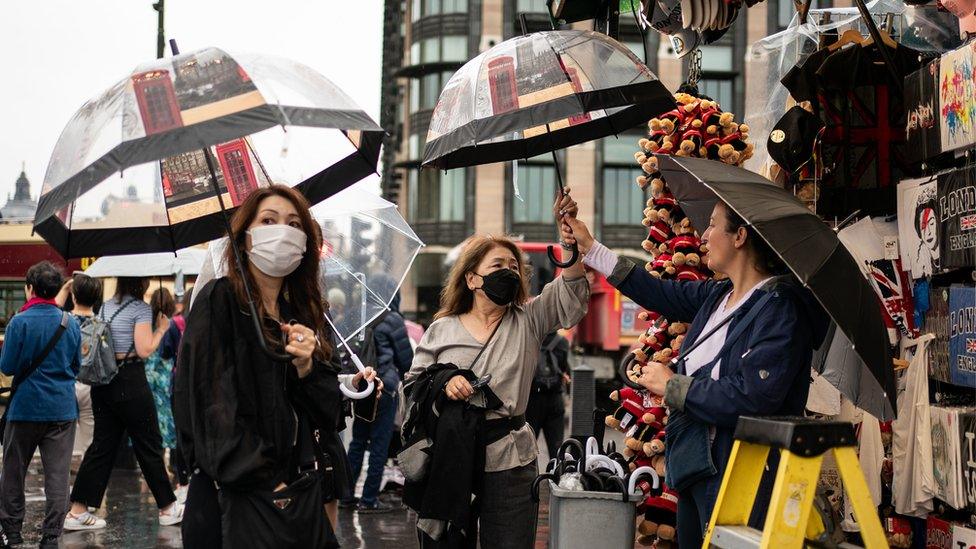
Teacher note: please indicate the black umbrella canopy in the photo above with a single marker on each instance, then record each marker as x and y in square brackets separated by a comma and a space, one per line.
[130, 172]
[538, 93]
[810, 249]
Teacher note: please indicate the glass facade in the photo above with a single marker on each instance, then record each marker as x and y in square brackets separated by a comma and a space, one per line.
[437, 196]
[622, 200]
[424, 8]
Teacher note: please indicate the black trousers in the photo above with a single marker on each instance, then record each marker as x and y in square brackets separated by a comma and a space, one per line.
[124, 406]
[546, 412]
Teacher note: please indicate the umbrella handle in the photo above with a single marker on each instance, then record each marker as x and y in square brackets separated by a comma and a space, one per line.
[359, 366]
[262, 342]
[622, 371]
[573, 257]
[354, 395]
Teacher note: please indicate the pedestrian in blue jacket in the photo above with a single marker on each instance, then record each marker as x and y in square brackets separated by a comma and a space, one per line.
[42, 410]
[761, 368]
[393, 358]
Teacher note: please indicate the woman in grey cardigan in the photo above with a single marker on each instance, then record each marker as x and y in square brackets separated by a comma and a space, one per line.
[487, 281]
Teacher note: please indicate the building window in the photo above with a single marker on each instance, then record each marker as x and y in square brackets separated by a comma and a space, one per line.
[623, 201]
[537, 186]
[11, 299]
[439, 49]
[718, 75]
[424, 8]
[437, 196]
[426, 90]
[531, 6]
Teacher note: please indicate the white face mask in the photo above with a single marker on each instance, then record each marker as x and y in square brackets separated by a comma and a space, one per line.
[277, 250]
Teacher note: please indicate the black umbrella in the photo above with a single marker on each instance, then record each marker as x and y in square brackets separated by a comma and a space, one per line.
[812, 252]
[537, 93]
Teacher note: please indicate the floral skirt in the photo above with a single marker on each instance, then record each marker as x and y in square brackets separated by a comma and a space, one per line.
[159, 374]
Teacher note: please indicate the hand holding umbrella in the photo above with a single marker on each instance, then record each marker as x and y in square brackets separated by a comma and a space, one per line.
[564, 208]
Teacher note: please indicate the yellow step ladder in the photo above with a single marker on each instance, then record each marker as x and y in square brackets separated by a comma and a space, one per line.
[791, 519]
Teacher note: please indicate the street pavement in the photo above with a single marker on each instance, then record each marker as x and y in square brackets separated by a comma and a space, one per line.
[131, 514]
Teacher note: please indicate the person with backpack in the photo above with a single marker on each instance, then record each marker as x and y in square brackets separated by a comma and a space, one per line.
[122, 403]
[393, 356]
[86, 294]
[41, 352]
[546, 410]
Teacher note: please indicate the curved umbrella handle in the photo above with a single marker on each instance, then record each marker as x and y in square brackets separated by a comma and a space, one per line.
[573, 257]
[629, 359]
[592, 447]
[357, 395]
[354, 395]
[594, 461]
[534, 489]
[640, 472]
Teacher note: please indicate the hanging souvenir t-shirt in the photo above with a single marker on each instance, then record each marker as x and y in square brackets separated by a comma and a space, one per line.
[922, 113]
[913, 485]
[864, 143]
[962, 335]
[946, 453]
[967, 429]
[957, 217]
[957, 98]
[874, 245]
[918, 227]
[870, 453]
[801, 80]
[937, 322]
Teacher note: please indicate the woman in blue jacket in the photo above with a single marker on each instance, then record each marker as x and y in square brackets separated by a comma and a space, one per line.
[760, 368]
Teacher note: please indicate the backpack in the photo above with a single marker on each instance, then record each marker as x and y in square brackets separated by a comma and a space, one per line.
[98, 364]
[548, 375]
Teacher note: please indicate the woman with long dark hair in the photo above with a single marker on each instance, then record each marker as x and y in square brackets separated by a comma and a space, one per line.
[245, 419]
[125, 406]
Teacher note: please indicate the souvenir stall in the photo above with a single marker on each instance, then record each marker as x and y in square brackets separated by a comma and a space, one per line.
[880, 139]
[870, 119]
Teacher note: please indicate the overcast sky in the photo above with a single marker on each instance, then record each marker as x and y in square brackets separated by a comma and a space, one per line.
[56, 54]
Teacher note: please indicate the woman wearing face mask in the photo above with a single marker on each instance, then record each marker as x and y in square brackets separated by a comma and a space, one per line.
[245, 420]
[761, 368]
[487, 293]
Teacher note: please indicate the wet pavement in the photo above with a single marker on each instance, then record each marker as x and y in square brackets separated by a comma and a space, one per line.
[131, 514]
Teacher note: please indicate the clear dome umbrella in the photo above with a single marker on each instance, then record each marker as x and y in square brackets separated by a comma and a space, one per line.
[367, 251]
[537, 93]
[157, 161]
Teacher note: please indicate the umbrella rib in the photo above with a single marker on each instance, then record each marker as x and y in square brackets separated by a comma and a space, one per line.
[364, 285]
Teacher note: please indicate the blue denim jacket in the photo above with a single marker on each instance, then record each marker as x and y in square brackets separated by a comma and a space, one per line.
[764, 372]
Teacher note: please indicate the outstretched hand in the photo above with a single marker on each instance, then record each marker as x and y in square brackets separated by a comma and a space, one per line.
[574, 231]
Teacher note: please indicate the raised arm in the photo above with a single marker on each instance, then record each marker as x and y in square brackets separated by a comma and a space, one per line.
[676, 300]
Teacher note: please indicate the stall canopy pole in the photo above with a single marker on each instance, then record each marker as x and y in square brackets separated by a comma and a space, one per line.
[876, 36]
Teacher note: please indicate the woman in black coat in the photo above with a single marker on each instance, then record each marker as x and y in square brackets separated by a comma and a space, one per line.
[245, 420]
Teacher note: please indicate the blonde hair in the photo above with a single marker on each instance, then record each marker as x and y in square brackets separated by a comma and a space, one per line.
[456, 297]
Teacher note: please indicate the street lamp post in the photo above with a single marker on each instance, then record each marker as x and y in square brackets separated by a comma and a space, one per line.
[159, 6]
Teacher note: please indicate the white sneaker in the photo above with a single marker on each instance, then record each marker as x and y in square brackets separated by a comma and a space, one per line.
[173, 516]
[181, 493]
[84, 521]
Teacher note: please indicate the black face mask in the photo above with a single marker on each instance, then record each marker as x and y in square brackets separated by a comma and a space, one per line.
[500, 286]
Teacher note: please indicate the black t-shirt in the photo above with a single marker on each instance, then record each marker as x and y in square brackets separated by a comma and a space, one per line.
[864, 143]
